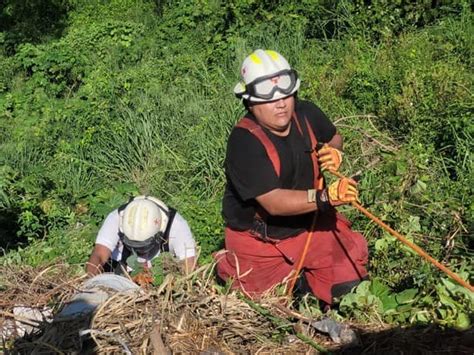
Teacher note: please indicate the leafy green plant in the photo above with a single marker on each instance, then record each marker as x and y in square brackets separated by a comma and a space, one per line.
[374, 301]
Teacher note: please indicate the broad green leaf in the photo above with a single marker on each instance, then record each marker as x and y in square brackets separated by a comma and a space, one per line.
[428, 300]
[381, 244]
[403, 316]
[414, 223]
[348, 301]
[377, 288]
[420, 186]
[443, 313]
[448, 301]
[422, 317]
[462, 321]
[453, 288]
[363, 288]
[375, 303]
[387, 207]
[404, 308]
[407, 296]
[389, 302]
[132, 261]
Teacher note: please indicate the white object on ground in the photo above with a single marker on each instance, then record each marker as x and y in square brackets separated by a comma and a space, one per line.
[95, 291]
[25, 320]
[339, 333]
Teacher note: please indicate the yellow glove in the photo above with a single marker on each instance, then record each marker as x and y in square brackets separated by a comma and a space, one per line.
[343, 191]
[329, 158]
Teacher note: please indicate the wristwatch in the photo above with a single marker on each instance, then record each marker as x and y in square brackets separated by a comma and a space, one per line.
[311, 196]
[322, 200]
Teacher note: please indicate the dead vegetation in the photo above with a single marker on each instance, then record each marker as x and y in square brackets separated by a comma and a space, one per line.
[186, 314]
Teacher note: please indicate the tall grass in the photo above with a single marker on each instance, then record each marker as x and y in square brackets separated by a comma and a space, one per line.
[148, 103]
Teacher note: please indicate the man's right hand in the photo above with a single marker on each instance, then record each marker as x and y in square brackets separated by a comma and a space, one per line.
[97, 260]
[343, 191]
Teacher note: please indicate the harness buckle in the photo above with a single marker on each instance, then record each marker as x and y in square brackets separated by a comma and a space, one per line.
[259, 229]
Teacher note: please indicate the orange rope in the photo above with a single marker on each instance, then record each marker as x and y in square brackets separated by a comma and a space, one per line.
[411, 245]
[303, 256]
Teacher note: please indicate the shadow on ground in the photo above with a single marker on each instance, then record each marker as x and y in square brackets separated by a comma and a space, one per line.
[415, 340]
[412, 340]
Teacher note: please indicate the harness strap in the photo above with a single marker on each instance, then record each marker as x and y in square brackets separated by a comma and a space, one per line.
[318, 178]
[258, 132]
[297, 121]
[254, 128]
[165, 245]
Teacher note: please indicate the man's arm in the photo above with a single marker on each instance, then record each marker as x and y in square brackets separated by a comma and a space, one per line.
[97, 260]
[281, 202]
[284, 202]
[336, 141]
[188, 265]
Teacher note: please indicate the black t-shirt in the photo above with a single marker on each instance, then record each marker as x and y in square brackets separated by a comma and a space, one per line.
[250, 172]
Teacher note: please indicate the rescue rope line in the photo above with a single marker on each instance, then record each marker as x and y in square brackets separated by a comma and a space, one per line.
[299, 266]
[405, 241]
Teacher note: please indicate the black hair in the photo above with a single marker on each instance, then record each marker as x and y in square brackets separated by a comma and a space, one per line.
[247, 103]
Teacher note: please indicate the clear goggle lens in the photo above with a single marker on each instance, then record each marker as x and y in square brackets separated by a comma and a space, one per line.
[266, 87]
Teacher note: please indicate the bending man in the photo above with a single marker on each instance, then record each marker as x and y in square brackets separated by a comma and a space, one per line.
[145, 226]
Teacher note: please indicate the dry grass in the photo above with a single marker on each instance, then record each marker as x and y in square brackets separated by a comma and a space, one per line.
[185, 315]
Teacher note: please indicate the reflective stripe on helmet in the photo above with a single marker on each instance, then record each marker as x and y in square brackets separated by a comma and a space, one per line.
[266, 64]
[143, 221]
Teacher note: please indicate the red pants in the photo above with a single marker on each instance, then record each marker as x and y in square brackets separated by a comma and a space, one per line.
[336, 255]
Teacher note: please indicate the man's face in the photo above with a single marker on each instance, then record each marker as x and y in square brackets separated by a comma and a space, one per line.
[147, 252]
[275, 115]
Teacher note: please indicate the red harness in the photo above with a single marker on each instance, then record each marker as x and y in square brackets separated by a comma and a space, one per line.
[336, 258]
[254, 128]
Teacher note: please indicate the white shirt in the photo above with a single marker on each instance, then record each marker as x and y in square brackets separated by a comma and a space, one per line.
[181, 241]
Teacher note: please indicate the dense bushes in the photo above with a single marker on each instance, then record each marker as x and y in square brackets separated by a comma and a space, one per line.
[135, 96]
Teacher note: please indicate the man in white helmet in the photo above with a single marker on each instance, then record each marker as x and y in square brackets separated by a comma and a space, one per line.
[275, 187]
[144, 226]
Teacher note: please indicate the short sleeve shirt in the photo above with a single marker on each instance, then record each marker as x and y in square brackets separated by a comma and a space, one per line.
[181, 241]
[250, 172]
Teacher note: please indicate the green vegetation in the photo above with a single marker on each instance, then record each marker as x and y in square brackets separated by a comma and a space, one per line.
[100, 100]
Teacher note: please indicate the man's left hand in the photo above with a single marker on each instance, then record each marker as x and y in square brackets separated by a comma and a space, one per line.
[343, 191]
[329, 158]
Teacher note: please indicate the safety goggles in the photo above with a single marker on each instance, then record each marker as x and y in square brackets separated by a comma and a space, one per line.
[265, 87]
[146, 247]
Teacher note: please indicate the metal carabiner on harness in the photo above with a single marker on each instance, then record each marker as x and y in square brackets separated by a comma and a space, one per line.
[259, 229]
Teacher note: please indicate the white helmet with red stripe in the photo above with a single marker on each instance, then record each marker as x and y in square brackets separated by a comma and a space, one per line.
[143, 222]
[266, 76]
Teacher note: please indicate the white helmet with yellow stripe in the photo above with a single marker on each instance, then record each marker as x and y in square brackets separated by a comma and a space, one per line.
[142, 223]
[266, 76]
